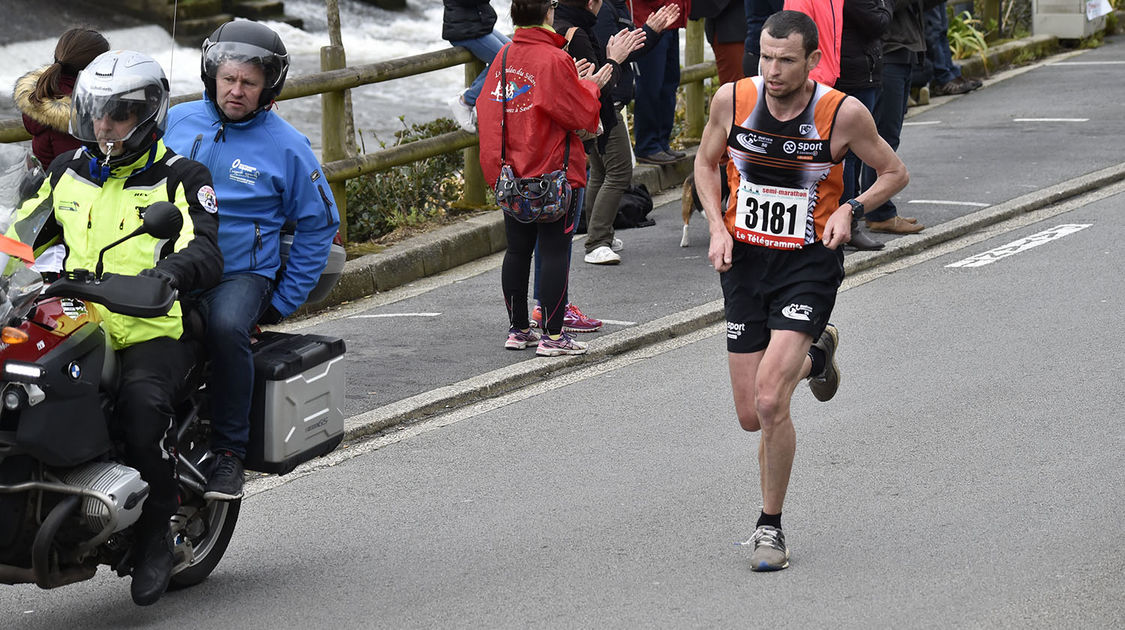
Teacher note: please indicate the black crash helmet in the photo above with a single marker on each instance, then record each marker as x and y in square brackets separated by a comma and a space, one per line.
[248, 42]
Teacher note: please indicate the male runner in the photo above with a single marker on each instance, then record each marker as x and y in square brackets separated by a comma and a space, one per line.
[777, 245]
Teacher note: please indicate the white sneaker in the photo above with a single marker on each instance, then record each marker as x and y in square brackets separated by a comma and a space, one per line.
[617, 245]
[463, 114]
[602, 256]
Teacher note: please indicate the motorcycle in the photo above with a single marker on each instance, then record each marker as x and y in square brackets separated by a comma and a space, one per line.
[67, 500]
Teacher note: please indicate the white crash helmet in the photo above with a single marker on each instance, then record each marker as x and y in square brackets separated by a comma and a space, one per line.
[120, 83]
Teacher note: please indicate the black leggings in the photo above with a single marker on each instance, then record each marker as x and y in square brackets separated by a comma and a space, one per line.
[554, 246]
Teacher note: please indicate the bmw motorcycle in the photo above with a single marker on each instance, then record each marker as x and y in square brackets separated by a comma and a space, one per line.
[67, 500]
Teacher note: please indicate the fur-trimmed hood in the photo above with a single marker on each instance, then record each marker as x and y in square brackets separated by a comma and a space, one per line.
[53, 113]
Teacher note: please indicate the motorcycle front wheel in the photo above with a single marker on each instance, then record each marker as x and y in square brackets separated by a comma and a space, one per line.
[209, 531]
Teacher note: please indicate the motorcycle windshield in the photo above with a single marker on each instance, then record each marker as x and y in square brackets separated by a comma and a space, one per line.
[19, 285]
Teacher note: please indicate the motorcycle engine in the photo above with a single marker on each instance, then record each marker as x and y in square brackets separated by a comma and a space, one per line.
[124, 486]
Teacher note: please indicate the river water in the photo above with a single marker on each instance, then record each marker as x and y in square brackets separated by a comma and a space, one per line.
[369, 34]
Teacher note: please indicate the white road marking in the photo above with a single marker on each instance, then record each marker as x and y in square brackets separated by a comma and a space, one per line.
[1050, 120]
[921, 122]
[1023, 244]
[944, 202]
[380, 315]
[618, 323]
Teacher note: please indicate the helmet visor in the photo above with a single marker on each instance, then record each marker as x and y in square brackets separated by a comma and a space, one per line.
[273, 65]
[114, 117]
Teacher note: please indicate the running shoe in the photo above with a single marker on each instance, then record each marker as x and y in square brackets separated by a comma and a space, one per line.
[518, 339]
[825, 385]
[770, 552]
[574, 320]
[565, 344]
[617, 245]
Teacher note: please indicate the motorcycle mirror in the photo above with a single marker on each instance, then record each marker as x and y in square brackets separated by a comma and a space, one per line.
[163, 220]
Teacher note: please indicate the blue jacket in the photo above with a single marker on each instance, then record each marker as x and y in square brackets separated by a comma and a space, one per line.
[265, 175]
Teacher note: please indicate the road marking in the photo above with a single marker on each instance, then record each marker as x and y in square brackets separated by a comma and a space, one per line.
[921, 122]
[1050, 120]
[944, 202]
[380, 315]
[1088, 63]
[1023, 244]
[618, 323]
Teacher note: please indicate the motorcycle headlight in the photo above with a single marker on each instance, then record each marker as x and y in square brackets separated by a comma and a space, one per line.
[22, 372]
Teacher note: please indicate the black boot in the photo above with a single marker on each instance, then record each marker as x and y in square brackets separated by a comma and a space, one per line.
[152, 565]
[862, 240]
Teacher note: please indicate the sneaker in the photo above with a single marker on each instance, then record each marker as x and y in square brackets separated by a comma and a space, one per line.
[617, 245]
[676, 154]
[770, 552]
[825, 385]
[463, 114]
[565, 344]
[518, 339]
[602, 256]
[226, 478]
[573, 321]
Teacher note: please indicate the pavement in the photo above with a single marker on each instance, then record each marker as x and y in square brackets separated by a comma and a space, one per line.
[476, 239]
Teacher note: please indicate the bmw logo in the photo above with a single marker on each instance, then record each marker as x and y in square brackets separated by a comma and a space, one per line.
[74, 370]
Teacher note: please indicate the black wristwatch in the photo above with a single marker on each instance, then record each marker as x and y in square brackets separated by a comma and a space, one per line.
[857, 208]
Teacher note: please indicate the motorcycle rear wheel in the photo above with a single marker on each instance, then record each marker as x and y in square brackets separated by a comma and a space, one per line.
[210, 531]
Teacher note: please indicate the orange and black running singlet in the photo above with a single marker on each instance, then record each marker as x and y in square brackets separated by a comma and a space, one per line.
[783, 181]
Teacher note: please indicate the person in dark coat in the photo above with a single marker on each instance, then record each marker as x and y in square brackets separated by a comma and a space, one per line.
[724, 25]
[470, 24]
[43, 95]
[861, 76]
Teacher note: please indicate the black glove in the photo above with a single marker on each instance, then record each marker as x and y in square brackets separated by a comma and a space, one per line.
[156, 272]
[271, 316]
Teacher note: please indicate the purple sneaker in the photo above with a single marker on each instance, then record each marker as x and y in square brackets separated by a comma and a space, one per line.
[574, 320]
[518, 339]
[565, 344]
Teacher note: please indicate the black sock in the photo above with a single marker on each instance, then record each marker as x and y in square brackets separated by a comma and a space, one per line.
[818, 360]
[773, 520]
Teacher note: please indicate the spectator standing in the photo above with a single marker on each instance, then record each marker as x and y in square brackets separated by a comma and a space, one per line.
[658, 79]
[902, 44]
[575, 20]
[43, 95]
[829, 18]
[947, 75]
[757, 12]
[470, 24]
[724, 25]
[861, 77]
[533, 123]
[266, 175]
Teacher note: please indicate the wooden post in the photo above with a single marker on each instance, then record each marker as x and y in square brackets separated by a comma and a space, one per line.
[334, 112]
[693, 93]
[472, 178]
[990, 9]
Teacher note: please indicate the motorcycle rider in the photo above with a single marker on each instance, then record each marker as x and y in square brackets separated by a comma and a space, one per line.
[266, 175]
[98, 194]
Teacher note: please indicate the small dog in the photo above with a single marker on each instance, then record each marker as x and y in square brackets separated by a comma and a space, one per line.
[689, 203]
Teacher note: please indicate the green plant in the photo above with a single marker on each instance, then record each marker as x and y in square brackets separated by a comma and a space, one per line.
[406, 196]
[965, 37]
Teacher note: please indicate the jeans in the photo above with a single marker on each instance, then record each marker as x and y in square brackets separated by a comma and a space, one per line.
[937, 45]
[658, 78]
[852, 164]
[485, 49]
[231, 309]
[610, 174]
[890, 111]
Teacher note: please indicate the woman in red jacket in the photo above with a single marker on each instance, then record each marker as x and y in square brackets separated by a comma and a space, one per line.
[547, 101]
[43, 95]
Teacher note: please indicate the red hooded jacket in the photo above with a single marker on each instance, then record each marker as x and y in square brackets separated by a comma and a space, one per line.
[547, 103]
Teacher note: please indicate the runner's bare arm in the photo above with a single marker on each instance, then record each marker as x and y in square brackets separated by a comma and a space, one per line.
[707, 175]
[855, 130]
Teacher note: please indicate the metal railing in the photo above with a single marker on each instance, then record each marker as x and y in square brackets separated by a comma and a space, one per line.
[335, 79]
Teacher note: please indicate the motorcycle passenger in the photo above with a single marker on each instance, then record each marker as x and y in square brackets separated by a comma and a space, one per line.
[98, 194]
[266, 175]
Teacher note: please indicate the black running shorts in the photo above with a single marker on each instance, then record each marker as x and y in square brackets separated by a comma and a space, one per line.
[771, 289]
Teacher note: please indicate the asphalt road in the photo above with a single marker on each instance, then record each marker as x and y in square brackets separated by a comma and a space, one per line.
[967, 475]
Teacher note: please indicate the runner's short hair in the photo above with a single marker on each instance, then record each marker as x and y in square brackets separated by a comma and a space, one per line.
[784, 23]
